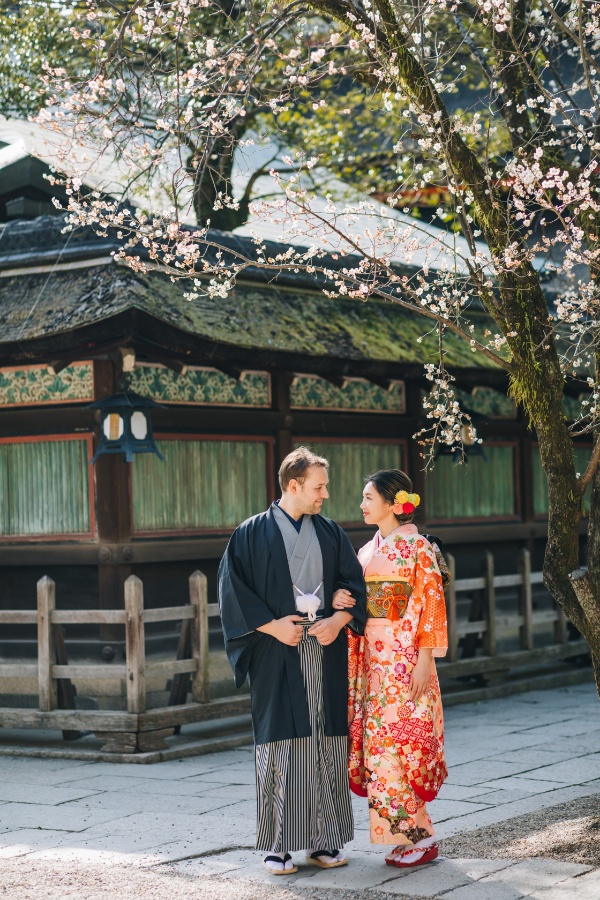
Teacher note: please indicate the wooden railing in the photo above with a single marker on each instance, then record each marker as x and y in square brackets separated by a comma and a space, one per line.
[473, 651]
[125, 731]
[485, 626]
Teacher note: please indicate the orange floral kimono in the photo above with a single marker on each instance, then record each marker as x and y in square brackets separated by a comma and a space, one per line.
[396, 746]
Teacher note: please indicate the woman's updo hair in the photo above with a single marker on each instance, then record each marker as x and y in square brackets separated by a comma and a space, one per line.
[387, 483]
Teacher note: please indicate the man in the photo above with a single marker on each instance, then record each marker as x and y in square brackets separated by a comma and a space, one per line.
[298, 668]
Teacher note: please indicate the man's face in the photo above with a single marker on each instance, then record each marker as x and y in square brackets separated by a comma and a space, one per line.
[308, 497]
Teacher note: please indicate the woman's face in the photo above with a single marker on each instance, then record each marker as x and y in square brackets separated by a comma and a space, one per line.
[374, 507]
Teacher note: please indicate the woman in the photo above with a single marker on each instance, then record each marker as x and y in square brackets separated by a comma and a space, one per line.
[396, 723]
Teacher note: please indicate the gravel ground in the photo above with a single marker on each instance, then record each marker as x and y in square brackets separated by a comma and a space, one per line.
[569, 832]
[44, 880]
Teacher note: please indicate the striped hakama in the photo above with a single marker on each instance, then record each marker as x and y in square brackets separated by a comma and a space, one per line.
[303, 796]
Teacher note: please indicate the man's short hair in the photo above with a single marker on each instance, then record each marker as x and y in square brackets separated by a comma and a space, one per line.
[297, 464]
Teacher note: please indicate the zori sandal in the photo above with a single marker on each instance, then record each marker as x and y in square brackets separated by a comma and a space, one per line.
[283, 862]
[430, 854]
[396, 853]
[327, 859]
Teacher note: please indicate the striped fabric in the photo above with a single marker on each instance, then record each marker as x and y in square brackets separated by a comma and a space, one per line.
[302, 784]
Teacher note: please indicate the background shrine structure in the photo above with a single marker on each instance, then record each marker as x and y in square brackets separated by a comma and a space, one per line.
[241, 380]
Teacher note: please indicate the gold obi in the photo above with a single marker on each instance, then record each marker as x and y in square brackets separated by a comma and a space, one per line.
[387, 598]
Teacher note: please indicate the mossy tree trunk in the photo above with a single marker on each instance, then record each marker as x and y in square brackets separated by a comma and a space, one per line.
[518, 306]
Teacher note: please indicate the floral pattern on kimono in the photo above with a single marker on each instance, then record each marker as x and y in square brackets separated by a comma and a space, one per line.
[396, 746]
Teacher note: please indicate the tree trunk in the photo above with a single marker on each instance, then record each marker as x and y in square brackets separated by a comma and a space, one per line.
[212, 177]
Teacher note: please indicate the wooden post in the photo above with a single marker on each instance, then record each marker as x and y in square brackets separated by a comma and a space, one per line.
[561, 632]
[526, 630]
[489, 643]
[113, 492]
[451, 610]
[135, 646]
[198, 599]
[46, 602]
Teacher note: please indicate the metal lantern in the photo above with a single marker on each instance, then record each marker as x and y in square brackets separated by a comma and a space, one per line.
[125, 425]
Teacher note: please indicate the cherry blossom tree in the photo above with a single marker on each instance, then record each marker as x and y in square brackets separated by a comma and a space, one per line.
[494, 102]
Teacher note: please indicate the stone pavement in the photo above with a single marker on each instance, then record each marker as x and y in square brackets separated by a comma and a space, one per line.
[195, 817]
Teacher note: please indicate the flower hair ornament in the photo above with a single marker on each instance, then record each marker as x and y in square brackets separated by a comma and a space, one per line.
[405, 503]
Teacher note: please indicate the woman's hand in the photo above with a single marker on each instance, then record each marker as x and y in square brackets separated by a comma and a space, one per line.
[343, 599]
[421, 674]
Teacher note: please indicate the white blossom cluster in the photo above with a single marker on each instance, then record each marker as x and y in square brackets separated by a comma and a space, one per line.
[498, 113]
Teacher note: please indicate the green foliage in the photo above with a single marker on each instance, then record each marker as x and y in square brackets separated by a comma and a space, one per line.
[35, 35]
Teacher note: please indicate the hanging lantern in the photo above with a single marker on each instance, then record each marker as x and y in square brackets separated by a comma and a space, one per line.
[125, 425]
[470, 446]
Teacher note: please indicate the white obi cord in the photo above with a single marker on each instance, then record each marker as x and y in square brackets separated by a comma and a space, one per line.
[308, 604]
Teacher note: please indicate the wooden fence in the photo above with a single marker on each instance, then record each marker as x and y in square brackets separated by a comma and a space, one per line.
[475, 639]
[485, 626]
[137, 728]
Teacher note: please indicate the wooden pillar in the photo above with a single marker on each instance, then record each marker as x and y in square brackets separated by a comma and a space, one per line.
[113, 517]
[526, 631]
[198, 599]
[135, 645]
[451, 610]
[490, 602]
[46, 603]
[415, 462]
[281, 383]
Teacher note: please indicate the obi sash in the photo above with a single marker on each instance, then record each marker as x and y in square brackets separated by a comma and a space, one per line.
[387, 598]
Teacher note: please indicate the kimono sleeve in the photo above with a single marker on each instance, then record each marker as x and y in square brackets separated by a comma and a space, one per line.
[242, 610]
[432, 630]
[350, 576]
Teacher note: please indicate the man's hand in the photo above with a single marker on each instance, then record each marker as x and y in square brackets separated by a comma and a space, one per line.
[328, 629]
[285, 630]
[343, 599]
[421, 675]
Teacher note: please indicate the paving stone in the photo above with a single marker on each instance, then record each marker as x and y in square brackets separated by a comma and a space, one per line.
[483, 771]
[363, 871]
[544, 757]
[480, 891]
[572, 771]
[441, 810]
[230, 791]
[479, 868]
[462, 792]
[533, 874]
[38, 794]
[54, 818]
[430, 880]
[125, 783]
[237, 776]
[524, 784]
[586, 887]
[130, 802]
[203, 868]
[23, 841]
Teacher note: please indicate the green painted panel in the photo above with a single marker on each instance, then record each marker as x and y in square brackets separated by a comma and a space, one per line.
[349, 465]
[487, 402]
[31, 385]
[44, 488]
[202, 387]
[201, 484]
[476, 489]
[581, 455]
[311, 392]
